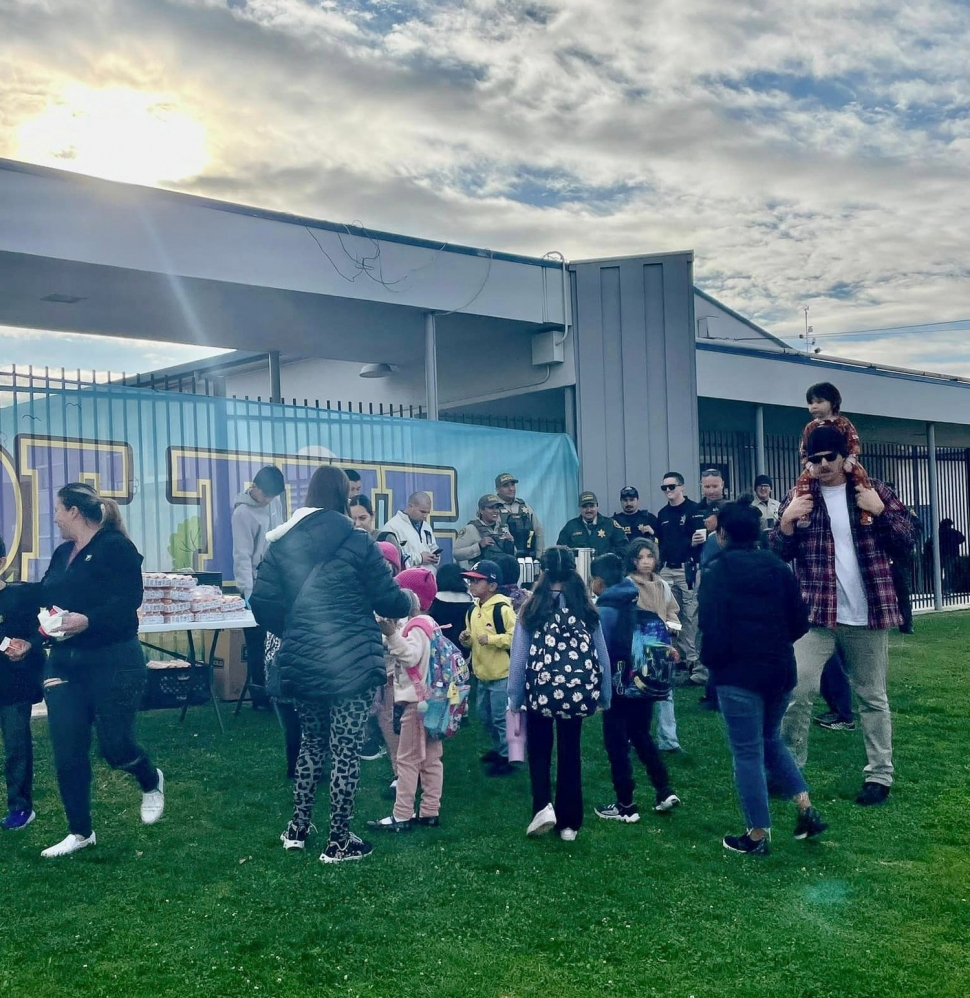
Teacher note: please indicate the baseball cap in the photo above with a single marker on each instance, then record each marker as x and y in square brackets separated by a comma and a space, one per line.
[505, 479]
[825, 438]
[588, 497]
[629, 492]
[763, 480]
[486, 570]
[490, 499]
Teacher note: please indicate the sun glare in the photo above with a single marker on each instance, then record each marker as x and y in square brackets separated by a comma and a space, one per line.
[118, 134]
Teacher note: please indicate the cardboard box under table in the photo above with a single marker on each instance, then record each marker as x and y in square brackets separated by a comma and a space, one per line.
[173, 689]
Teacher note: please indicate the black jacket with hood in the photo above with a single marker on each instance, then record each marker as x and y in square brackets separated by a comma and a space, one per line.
[750, 611]
[331, 644]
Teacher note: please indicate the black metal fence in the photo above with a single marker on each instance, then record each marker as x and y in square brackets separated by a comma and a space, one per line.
[903, 466]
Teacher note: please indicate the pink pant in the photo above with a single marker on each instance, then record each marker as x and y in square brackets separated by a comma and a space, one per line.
[418, 758]
[385, 718]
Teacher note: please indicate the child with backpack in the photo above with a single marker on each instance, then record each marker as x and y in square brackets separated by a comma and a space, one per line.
[633, 611]
[411, 647]
[560, 673]
[488, 633]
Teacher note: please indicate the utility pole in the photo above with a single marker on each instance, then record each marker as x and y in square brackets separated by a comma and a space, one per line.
[807, 335]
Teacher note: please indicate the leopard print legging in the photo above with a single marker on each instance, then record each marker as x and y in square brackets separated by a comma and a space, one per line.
[336, 726]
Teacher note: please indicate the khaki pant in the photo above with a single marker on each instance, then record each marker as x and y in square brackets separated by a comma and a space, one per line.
[865, 653]
[686, 641]
[418, 759]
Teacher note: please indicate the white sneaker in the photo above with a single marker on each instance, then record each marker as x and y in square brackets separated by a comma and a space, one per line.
[71, 844]
[153, 803]
[544, 821]
[568, 834]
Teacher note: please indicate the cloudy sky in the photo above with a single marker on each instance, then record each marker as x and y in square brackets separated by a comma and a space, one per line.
[811, 154]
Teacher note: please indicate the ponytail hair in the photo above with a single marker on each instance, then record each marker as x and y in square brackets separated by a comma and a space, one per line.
[558, 568]
[95, 508]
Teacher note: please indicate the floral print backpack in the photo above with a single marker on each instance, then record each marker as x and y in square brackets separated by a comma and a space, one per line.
[562, 676]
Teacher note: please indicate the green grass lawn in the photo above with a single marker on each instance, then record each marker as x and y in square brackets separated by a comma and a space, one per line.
[206, 902]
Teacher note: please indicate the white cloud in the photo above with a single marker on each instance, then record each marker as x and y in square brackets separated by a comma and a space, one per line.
[810, 154]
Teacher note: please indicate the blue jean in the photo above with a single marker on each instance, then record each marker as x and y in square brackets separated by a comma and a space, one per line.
[754, 734]
[667, 740]
[19, 751]
[492, 701]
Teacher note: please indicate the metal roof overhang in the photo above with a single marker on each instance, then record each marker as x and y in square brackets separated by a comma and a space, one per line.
[83, 255]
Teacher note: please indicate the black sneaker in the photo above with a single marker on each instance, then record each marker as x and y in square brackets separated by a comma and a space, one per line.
[628, 813]
[502, 767]
[667, 800]
[809, 824]
[490, 756]
[295, 835]
[840, 724]
[872, 793]
[355, 849]
[829, 717]
[746, 844]
[430, 821]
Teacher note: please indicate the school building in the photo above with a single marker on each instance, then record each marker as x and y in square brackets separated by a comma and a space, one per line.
[625, 357]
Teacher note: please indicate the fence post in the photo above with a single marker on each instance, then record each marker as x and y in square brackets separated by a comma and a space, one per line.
[759, 440]
[935, 516]
[275, 386]
[430, 365]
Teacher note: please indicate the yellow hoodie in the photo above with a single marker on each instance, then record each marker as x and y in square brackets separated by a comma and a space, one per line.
[491, 661]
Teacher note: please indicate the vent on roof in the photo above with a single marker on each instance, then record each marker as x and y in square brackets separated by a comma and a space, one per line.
[63, 299]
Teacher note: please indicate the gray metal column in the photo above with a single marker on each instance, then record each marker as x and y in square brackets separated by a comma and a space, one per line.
[636, 375]
[275, 384]
[430, 365]
[759, 440]
[935, 516]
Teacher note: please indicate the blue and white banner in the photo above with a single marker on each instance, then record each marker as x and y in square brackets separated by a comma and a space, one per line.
[175, 463]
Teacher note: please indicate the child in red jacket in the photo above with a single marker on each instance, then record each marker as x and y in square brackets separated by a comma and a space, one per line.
[825, 405]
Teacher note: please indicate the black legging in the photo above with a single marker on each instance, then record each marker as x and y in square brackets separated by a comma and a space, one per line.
[103, 689]
[627, 723]
[568, 804]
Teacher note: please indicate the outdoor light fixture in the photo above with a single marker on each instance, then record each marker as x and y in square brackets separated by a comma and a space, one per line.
[376, 371]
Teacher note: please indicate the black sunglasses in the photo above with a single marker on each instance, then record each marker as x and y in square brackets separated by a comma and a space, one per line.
[669, 488]
[830, 456]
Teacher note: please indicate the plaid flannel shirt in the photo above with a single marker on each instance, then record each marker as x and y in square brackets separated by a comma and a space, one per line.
[812, 552]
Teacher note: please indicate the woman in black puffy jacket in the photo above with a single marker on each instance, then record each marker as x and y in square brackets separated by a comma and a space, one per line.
[318, 587]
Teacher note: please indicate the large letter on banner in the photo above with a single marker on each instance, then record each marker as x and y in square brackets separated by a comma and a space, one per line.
[210, 480]
[46, 464]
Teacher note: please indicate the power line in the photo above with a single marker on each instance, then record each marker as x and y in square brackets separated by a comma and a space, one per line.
[957, 325]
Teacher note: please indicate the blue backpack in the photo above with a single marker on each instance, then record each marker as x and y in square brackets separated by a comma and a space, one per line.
[443, 699]
[648, 671]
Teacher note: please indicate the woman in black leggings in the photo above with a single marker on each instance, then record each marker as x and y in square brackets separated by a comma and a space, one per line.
[96, 672]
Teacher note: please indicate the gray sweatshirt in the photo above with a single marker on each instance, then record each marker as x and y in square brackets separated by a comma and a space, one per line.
[250, 524]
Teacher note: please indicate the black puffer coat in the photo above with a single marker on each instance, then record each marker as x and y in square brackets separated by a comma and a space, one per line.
[331, 644]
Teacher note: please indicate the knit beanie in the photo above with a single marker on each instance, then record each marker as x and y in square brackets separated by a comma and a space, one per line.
[390, 553]
[422, 583]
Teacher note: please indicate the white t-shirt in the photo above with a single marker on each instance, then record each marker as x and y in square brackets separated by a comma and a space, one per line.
[852, 606]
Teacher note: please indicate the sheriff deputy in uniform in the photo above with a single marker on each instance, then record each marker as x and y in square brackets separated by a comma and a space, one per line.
[520, 518]
[633, 521]
[486, 533]
[590, 530]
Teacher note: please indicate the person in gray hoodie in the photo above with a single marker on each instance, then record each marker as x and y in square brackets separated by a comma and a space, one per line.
[255, 512]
